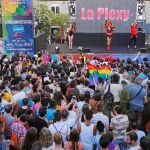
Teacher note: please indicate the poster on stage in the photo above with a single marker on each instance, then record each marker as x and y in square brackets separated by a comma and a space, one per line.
[91, 15]
[18, 28]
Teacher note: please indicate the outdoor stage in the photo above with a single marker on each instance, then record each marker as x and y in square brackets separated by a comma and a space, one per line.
[100, 52]
[64, 49]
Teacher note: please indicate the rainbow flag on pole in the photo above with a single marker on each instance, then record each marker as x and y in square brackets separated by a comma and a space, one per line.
[95, 72]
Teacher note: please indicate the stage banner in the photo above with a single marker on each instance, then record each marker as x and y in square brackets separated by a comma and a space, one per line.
[18, 28]
[91, 15]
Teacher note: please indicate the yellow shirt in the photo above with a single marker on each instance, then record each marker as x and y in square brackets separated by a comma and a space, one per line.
[8, 97]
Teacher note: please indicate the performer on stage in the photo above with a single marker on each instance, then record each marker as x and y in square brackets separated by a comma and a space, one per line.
[61, 34]
[109, 28]
[134, 32]
[70, 32]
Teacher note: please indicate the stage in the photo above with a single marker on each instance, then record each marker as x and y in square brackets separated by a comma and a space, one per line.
[64, 49]
[100, 52]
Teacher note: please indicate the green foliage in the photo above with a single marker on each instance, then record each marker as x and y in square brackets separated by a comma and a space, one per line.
[124, 99]
[45, 15]
[60, 20]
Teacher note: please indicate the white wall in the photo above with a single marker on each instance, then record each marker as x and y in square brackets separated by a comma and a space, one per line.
[63, 5]
[147, 11]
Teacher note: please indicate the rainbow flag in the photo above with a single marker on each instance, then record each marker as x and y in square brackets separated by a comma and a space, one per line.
[95, 72]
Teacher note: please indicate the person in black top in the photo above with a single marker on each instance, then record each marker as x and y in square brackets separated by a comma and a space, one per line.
[70, 32]
[40, 121]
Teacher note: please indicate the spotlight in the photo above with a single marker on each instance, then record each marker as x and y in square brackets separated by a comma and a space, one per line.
[57, 49]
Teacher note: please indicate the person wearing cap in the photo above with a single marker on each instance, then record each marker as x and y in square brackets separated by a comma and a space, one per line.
[138, 97]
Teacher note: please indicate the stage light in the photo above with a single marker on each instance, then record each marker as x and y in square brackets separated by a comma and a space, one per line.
[140, 11]
[72, 8]
[57, 49]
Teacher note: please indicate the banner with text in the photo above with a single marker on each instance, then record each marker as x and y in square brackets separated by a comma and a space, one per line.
[91, 15]
[18, 28]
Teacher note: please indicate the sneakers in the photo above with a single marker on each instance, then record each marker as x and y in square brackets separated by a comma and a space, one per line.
[134, 46]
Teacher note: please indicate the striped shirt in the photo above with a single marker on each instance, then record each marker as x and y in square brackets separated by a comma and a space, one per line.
[100, 117]
[120, 124]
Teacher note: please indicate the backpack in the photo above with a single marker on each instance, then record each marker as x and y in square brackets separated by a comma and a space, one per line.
[3, 119]
[59, 131]
[108, 100]
[14, 140]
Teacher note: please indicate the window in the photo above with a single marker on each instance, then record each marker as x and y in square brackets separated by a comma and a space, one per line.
[55, 8]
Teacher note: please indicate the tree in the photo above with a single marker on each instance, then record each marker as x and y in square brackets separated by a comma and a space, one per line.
[44, 15]
[60, 20]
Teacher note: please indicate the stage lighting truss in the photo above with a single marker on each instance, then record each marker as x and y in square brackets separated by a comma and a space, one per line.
[140, 11]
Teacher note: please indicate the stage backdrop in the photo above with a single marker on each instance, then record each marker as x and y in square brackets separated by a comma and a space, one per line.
[18, 25]
[91, 15]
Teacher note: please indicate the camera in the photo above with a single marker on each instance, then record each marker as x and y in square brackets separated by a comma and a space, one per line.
[74, 99]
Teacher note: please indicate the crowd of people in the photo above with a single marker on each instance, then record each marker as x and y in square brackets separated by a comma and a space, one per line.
[47, 104]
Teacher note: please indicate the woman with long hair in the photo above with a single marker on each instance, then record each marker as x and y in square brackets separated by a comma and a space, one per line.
[109, 28]
[73, 143]
[70, 32]
[46, 139]
[26, 142]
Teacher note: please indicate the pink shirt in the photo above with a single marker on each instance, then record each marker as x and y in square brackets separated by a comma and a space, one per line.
[36, 106]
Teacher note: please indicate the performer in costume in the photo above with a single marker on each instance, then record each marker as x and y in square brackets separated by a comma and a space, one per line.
[62, 34]
[109, 28]
[70, 32]
[134, 32]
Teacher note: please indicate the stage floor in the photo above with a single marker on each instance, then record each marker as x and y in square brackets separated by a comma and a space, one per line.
[99, 52]
[64, 49]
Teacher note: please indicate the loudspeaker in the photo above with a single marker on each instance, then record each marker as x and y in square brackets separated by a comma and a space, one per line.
[143, 50]
[72, 8]
[86, 50]
[80, 48]
[57, 49]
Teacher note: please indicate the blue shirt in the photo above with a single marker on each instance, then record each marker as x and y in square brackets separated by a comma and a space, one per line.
[50, 114]
[3, 146]
[9, 121]
[139, 99]
[127, 88]
[142, 76]
[20, 102]
[55, 58]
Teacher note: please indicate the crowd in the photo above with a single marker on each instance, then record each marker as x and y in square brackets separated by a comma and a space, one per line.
[46, 103]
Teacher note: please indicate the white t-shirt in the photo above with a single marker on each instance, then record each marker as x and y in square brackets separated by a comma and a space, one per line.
[80, 105]
[52, 147]
[60, 127]
[80, 87]
[4, 102]
[139, 133]
[115, 89]
[87, 136]
[72, 115]
[52, 86]
[135, 148]
[70, 122]
[19, 96]
[100, 117]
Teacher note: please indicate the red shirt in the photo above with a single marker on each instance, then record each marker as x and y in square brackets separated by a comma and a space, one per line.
[134, 30]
